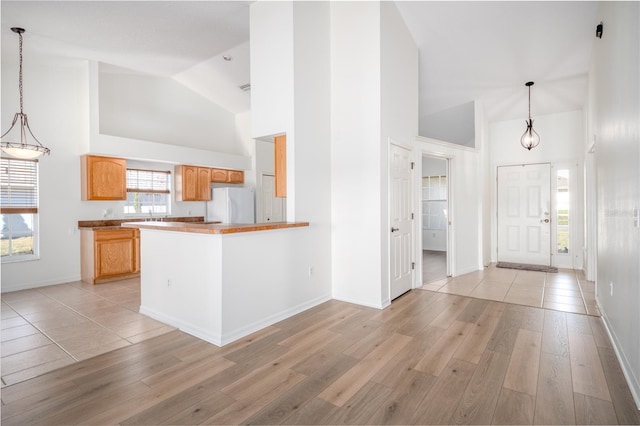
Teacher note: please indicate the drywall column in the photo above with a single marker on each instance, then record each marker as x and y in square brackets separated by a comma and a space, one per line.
[374, 85]
[290, 92]
[614, 78]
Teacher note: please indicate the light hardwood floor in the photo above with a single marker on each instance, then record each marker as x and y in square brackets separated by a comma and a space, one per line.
[430, 358]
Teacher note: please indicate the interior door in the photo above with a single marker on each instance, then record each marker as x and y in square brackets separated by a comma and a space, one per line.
[401, 220]
[524, 220]
[273, 207]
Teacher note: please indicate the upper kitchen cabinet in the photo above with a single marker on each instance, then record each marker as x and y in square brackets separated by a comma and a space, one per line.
[103, 178]
[227, 176]
[280, 166]
[192, 183]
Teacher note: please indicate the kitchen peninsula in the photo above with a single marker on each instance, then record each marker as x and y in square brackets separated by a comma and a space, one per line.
[220, 282]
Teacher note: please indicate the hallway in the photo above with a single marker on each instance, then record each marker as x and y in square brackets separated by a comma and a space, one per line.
[565, 291]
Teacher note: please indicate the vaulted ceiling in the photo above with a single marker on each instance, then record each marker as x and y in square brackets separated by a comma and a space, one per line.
[468, 50]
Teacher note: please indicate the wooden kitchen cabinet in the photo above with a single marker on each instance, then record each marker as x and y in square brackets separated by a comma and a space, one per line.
[280, 166]
[192, 183]
[103, 178]
[219, 175]
[236, 176]
[227, 176]
[109, 254]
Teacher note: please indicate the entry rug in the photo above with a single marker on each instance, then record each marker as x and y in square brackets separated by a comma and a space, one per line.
[524, 266]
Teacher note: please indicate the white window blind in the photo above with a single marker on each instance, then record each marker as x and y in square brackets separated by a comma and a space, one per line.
[148, 181]
[18, 186]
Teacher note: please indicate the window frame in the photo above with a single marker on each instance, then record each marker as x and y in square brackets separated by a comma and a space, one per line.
[148, 190]
[30, 205]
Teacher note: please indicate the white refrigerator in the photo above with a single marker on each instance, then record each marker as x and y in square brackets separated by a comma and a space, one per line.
[231, 205]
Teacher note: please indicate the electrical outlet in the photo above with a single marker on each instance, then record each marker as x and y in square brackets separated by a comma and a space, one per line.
[611, 288]
[310, 270]
[169, 283]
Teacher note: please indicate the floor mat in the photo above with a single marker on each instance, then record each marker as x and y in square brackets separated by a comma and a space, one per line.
[524, 266]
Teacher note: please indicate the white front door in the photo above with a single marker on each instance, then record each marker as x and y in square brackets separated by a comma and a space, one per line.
[272, 206]
[524, 220]
[401, 220]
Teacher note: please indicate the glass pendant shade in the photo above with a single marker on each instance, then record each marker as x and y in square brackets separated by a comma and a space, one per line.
[18, 146]
[530, 139]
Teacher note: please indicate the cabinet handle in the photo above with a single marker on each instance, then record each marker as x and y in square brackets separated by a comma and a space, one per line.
[394, 229]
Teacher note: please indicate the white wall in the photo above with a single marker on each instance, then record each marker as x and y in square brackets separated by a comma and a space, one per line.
[374, 87]
[615, 121]
[158, 109]
[398, 113]
[271, 41]
[562, 142]
[290, 54]
[455, 125]
[56, 100]
[465, 179]
[356, 152]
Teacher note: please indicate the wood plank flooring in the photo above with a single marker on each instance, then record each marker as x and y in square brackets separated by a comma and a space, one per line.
[429, 358]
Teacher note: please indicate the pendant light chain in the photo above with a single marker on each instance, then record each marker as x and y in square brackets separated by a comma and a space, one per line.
[19, 147]
[20, 73]
[529, 102]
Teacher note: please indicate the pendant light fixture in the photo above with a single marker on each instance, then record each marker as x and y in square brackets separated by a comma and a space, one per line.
[530, 139]
[21, 149]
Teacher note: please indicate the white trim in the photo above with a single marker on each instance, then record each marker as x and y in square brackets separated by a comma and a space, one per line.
[447, 144]
[29, 286]
[224, 338]
[625, 365]
[383, 304]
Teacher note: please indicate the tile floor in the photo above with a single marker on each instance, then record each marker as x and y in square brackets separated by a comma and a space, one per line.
[49, 327]
[566, 290]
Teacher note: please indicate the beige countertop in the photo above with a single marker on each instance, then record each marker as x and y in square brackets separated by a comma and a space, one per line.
[213, 228]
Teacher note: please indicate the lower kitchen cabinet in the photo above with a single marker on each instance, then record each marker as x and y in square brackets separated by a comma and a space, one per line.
[109, 254]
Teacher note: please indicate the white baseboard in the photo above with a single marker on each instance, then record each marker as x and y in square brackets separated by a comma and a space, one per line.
[206, 335]
[633, 384]
[10, 288]
[226, 337]
[239, 333]
[361, 303]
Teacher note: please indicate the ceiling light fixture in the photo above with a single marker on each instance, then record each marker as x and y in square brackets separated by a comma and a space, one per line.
[530, 139]
[599, 30]
[22, 149]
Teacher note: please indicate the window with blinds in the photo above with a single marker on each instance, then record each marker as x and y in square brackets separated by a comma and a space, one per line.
[18, 209]
[148, 192]
[19, 190]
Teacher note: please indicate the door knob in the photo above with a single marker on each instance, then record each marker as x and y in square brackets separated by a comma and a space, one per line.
[394, 229]
[544, 220]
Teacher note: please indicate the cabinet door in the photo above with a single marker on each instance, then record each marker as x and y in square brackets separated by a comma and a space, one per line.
[281, 165]
[204, 184]
[115, 253]
[189, 183]
[219, 175]
[236, 176]
[104, 178]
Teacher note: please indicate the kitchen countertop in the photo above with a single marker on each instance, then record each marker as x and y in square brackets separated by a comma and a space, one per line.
[212, 228]
[115, 223]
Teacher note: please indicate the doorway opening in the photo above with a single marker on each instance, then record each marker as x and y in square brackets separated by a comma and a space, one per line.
[435, 218]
